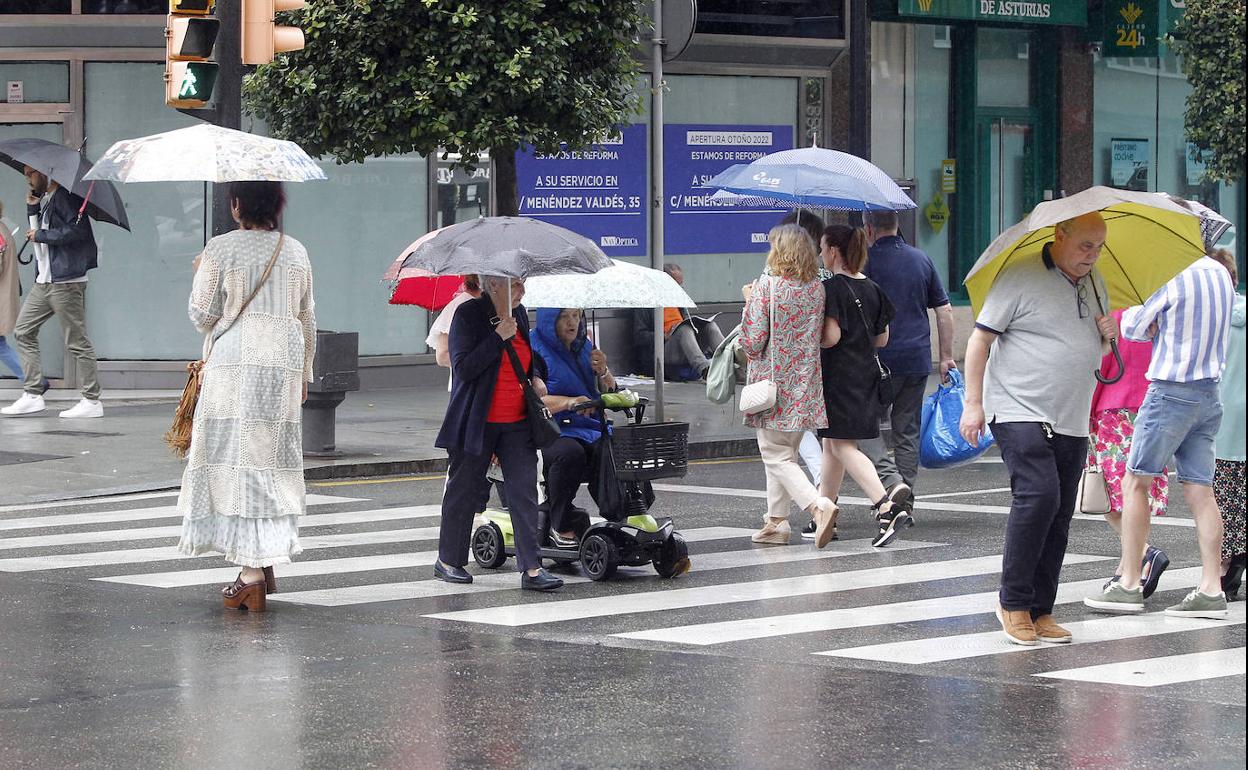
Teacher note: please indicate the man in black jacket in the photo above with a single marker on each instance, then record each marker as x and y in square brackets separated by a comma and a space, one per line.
[64, 250]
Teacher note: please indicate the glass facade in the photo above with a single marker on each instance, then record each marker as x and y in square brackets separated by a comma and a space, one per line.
[910, 120]
[41, 81]
[35, 6]
[1140, 140]
[822, 19]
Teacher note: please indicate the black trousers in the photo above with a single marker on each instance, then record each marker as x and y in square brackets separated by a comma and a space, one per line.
[1044, 472]
[907, 413]
[466, 486]
[568, 463]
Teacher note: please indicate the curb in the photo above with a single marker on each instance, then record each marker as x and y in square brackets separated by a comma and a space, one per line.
[701, 450]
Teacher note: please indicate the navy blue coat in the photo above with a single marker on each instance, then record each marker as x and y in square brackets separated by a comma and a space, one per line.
[476, 352]
[71, 245]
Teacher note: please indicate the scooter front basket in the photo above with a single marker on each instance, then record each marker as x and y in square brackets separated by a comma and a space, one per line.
[655, 450]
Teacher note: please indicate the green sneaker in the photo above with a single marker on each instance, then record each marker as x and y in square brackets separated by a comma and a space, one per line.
[1199, 605]
[1115, 598]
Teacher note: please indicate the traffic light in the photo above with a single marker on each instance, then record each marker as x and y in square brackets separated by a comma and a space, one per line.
[262, 38]
[190, 34]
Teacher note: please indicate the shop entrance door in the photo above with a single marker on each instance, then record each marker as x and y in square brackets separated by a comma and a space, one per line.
[13, 195]
[1007, 179]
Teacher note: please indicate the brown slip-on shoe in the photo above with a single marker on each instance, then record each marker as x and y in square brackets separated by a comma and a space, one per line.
[825, 521]
[1047, 630]
[1017, 626]
[774, 532]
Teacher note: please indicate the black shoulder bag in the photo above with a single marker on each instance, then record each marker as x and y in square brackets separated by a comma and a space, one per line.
[885, 392]
[542, 423]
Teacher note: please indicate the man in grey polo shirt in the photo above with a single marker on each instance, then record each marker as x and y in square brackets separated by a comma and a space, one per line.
[1041, 335]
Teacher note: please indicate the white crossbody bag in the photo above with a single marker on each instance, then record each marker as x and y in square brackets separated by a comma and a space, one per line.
[760, 396]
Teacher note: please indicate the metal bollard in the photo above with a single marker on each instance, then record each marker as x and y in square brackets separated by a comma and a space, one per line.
[335, 370]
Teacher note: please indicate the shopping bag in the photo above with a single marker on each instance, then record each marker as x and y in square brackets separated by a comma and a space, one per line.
[940, 443]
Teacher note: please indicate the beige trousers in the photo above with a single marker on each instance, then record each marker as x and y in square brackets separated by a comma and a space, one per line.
[785, 479]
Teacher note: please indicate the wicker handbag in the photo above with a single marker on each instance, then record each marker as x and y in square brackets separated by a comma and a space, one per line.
[178, 437]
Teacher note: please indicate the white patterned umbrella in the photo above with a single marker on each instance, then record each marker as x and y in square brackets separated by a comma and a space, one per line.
[205, 153]
[621, 285]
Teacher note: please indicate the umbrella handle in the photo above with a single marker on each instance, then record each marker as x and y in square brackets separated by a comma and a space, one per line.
[1113, 347]
[22, 251]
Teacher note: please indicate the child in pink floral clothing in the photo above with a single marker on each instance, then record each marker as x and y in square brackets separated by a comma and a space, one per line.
[1114, 408]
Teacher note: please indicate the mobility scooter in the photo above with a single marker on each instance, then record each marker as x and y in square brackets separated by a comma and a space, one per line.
[639, 452]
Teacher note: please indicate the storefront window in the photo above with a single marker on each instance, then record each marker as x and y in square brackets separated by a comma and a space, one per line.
[147, 271]
[354, 225]
[124, 6]
[1002, 60]
[463, 193]
[756, 105]
[773, 18]
[910, 125]
[1140, 141]
[35, 81]
[35, 6]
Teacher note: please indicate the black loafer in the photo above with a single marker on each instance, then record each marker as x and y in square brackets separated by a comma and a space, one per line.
[451, 574]
[559, 541]
[1158, 560]
[542, 581]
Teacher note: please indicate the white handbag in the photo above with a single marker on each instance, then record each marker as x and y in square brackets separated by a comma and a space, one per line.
[760, 396]
[1093, 494]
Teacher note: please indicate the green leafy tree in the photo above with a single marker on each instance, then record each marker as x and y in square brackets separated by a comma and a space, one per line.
[1210, 38]
[382, 77]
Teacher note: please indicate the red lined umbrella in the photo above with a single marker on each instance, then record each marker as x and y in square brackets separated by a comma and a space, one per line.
[417, 286]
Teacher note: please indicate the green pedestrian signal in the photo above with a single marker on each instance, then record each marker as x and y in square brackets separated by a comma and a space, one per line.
[190, 35]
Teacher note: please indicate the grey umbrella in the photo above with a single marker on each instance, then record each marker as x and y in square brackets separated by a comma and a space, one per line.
[516, 247]
[66, 166]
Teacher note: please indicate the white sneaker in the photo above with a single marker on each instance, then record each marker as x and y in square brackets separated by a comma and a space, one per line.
[27, 404]
[84, 408]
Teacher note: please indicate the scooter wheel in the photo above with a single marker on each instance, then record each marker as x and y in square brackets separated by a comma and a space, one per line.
[487, 546]
[599, 557]
[673, 559]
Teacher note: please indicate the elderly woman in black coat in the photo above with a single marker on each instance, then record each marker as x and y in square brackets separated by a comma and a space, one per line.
[486, 417]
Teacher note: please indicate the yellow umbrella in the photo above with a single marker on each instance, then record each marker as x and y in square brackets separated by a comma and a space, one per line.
[1148, 241]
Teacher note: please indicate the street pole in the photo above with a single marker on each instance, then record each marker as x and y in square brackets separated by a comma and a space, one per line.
[227, 109]
[656, 183]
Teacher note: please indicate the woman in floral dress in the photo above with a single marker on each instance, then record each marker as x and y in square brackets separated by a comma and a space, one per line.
[781, 328]
[1114, 408]
[242, 491]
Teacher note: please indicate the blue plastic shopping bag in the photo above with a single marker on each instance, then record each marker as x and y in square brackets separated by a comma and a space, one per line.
[940, 443]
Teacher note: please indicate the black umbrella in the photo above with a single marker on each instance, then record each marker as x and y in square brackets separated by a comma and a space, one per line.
[66, 167]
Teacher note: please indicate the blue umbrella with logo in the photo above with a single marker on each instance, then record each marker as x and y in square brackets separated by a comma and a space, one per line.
[813, 177]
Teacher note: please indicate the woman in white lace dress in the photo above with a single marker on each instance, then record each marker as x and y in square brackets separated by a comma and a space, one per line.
[242, 491]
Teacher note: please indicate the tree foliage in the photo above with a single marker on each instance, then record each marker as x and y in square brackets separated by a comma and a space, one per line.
[1210, 38]
[382, 77]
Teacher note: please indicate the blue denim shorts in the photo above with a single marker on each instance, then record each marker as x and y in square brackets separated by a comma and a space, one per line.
[1178, 419]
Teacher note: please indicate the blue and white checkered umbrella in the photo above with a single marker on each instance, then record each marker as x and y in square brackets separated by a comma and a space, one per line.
[814, 177]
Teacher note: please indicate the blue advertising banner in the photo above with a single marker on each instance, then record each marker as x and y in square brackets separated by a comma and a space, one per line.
[597, 192]
[693, 154]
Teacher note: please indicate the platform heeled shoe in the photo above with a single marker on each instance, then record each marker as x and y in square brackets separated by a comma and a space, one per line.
[244, 596]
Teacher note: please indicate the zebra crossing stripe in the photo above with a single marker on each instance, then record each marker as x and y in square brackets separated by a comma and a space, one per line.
[1154, 672]
[921, 504]
[703, 596]
[153, 533]
[423, 589]
[946, 648]
[345, 565]
[705, 634]
[129, 514]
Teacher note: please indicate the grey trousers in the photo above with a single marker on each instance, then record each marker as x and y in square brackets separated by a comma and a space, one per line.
[903, 439]
[690, 342]
[66, 301]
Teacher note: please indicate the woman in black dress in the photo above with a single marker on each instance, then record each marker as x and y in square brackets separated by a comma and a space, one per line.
[856, 323]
